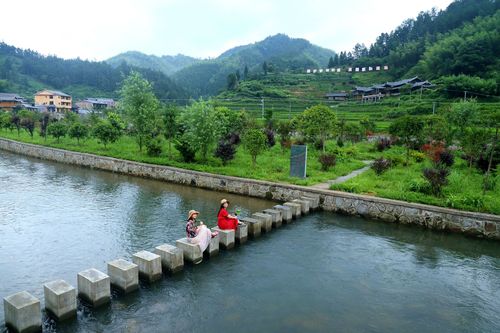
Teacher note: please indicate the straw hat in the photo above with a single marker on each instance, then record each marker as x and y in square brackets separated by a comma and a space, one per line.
[223, 201]
[192, 212]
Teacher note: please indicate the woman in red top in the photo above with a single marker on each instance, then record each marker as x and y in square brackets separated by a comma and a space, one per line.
[226, 221]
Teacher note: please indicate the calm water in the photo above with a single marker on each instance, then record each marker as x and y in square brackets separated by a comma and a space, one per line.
[325, 273]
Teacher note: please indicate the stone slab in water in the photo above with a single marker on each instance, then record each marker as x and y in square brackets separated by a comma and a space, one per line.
[286, 213]
[276, 217]
[94, 287]
[226, 239]
[149, 265]
[124, 275]
[254, 226]
[241, 233]
[60, 299]
[295, 207]
[313, 202]
[266, 219]
[304, 205]
[213, 247]
[192, 252]
[22, 312]
[172, 258]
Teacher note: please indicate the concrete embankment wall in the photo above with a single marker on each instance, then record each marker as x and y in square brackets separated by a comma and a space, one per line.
[475, 224]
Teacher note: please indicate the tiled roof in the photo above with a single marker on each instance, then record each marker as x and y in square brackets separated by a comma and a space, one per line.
[52, 92]
[9, 97]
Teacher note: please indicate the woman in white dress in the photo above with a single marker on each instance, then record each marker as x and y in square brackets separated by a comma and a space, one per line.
[200, 234]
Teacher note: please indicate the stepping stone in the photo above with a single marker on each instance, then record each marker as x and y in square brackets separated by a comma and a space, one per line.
[254, 226]
[286, 213]
[241, 233]
[226, 238]
[191, 252]
[266, 219]
[22, 312]
[94, 287]
[60, 299]
[172, 258]
[149, 265]
[295, 207]
[123, 275]
[304, 205]
[213, 247]
[276, 217]
[313, 202]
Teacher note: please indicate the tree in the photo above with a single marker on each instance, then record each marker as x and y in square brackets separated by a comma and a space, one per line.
[245, 73]
[140, 105]
[331, 63]
[254, 141]
[106, 133]
[169, 115]
[27, 120]
[462, 115]
[265, 67]
[232, 81]
[409, 131]
[44, 123]
[5, 120]
[473, 141]
[203, 125]
[57, 130]
[78, 131]
[16, 122]
[318, 122]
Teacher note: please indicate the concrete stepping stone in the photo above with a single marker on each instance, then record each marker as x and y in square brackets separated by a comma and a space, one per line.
[227, 238]
[172, 258]
[266, 219]
[149, 265]
[313, 202]
[22, 312]
[241, 233]
[286, 213]
[213, 247]
[60, 299]
[94, 287]
[254, 226]
[276, 217]
[191, 252]
[304, 205]
[295, 207]
[123, 275]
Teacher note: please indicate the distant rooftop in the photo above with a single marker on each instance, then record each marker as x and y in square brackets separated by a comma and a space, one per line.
[52, 92]
[10, 97]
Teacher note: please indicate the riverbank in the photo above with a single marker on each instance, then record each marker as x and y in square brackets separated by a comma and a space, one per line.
[438, 218]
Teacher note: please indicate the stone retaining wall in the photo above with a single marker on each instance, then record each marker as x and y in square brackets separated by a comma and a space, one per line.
[476, 224]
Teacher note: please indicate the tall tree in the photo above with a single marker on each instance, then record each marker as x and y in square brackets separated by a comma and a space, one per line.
[140, 105]
[331, 63]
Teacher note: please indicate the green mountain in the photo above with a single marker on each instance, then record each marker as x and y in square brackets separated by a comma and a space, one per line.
[279, 52]
[25, 71]
[166, 64]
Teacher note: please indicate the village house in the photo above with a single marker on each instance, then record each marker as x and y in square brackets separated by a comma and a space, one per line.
[61, 101]
[340, 96]
[96, 104]
[9, 101]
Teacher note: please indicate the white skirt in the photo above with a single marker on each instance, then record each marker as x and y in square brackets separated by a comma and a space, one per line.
[203, 238]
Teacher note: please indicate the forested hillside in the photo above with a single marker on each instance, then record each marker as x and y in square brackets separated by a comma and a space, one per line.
[25, 71]
[165, 64]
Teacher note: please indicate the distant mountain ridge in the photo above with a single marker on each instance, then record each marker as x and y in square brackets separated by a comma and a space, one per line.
[166, 64]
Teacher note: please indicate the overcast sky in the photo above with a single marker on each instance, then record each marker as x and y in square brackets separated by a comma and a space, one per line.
[99, 29]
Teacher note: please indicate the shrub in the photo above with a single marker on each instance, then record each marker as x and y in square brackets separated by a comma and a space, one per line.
[57, 130]
[418, 156]
[233, 138]
[327, 161]
[418, 186]
[185, 149]
[383, 144]
[270, 137]
[446, 158]
[437, 178]
[154, 147]
[340, 142]
[380, 165]
[225, 151]
[489, 182]
[255, 142]
[78, 131]
[106, 133]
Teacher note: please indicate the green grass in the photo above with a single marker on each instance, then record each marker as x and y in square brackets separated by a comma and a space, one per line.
[406, 183]
[273, 165]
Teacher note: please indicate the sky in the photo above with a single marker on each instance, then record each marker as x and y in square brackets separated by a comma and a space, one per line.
[100, 29]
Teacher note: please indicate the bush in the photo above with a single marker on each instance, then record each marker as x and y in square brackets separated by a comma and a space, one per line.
[225, 151]
[270, 137]
[383, 144]
[418, 186]
[185, 149]
[418, 156]
[327, 161]
[57, 130]
[78, 131]
[489, 182]
[437, 178]
[154, 147]
[233, 138]
[446, 158]
[106, 133]
[255, 142]
[381, 165]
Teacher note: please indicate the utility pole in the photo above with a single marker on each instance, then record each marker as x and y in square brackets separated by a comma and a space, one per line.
[433, 107]
[289, 110]
[465, 96]
[262, 104]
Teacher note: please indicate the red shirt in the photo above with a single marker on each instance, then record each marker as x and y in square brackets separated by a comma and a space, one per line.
[225, 222]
